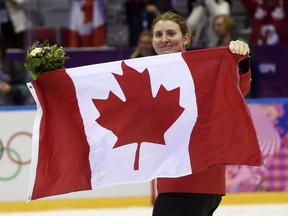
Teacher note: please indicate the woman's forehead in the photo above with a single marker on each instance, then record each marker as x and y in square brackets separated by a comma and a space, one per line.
[165, 25]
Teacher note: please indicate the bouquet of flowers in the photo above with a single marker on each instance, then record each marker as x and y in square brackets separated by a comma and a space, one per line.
[42, 57]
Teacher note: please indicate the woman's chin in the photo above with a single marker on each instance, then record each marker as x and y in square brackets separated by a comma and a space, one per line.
[166, 51]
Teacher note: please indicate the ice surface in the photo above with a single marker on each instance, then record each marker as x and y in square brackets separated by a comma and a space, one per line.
[224, 210]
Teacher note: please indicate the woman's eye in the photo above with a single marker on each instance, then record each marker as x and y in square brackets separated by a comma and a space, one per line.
[170, 33]
[158, 34]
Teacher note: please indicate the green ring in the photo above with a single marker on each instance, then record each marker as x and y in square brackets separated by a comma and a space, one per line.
[19, 166]
[1, 149]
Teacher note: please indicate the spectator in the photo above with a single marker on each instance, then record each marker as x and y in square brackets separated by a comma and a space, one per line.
[13, 78]
[270, 23]
[198, 19]
[144, 46]
[223, 28]
[140, 14]
[190, 5]
[14, 23]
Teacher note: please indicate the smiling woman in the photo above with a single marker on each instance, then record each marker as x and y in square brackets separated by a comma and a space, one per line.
[197, 194]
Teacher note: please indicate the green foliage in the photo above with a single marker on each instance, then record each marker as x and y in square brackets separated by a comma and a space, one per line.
[41, 58]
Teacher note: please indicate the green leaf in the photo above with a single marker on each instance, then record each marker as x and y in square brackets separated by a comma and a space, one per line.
[35, 62]
[43, 61]
[35, 75]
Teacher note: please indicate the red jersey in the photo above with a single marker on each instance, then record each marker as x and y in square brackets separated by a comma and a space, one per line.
[270, 24]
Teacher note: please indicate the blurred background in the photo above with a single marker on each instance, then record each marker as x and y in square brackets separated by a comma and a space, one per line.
[110, 30]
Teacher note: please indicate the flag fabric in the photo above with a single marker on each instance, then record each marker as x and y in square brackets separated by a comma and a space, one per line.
[87, 23]
[139, 119]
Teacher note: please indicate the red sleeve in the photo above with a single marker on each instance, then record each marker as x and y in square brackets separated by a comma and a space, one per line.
[250, 5]
[245, 81]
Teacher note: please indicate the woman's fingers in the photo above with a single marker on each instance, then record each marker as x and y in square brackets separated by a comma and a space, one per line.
[239, 47]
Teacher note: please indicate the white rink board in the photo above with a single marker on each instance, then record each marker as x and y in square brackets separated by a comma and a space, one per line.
[17, 125]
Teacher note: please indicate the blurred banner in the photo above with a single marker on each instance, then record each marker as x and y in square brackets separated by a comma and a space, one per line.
[271, 121]
[87, 23]
[270, 71]
[269, 115]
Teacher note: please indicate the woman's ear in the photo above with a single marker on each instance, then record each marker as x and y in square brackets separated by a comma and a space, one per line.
[186, 39]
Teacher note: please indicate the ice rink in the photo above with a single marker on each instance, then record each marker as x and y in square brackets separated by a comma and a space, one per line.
[225, 210]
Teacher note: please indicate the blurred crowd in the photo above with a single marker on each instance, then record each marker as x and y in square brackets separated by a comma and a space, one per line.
[211, 22]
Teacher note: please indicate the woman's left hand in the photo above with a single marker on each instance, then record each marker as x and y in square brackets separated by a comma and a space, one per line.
[239, 47]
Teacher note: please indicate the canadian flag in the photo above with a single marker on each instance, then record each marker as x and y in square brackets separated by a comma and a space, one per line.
[86, 25]
[137, 120]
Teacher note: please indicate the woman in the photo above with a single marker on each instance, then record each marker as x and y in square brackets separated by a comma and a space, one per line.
[144, 46]
[197, 194]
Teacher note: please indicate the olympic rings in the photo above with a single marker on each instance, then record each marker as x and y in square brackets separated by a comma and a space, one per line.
[19, 165]
[13, 155]
[9, 147]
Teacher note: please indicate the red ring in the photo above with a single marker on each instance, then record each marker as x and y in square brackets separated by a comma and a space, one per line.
[8, 147]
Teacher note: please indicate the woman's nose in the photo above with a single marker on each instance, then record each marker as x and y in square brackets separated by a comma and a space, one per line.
[165, 38]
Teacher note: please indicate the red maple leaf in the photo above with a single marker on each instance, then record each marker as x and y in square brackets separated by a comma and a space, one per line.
[141, 118]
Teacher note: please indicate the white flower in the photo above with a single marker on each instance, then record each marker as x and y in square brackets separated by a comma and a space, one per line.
[46, 48]
[35, 51]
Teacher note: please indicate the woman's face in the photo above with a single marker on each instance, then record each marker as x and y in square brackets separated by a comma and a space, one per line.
[168, 38]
